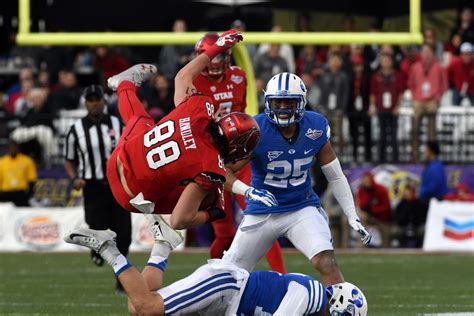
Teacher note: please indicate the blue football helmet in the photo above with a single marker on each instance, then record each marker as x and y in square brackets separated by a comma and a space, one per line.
[346, 299]
[285, 86]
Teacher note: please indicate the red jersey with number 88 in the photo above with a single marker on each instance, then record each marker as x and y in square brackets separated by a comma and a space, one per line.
[162, 161]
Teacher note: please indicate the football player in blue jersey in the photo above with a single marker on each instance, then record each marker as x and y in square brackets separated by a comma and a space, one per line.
[291, 140]
[218, 287]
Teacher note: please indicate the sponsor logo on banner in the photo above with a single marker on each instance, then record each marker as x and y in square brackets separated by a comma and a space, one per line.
[38, 232]
[458, 230]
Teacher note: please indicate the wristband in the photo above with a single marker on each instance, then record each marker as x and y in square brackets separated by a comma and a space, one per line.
[214, 213]
[240, 188]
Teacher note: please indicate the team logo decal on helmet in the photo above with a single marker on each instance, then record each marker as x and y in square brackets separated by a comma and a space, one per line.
[346, 299]
[285, 86]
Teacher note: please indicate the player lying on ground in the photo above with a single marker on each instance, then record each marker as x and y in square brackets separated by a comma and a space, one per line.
[219, 287]
[290, 143]
[227, 86]
[173, 166]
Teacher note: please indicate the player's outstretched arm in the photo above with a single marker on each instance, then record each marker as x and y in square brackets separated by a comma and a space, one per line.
[331, 168]
[234, 185]
[184, 78]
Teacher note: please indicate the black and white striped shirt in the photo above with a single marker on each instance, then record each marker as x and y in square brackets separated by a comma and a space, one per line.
[90, 144]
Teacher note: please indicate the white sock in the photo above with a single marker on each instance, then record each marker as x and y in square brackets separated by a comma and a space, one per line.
[159, 255]
[120, 264]
[109, 252]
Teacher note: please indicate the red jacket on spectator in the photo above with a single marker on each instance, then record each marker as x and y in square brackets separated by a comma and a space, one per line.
[374, 200]
[380, 85]
[459, 73]
[405, 66]
[462, 194]
[112, 65]
[434, 75]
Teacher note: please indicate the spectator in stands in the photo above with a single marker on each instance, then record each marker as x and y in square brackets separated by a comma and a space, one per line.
[433, 179]
[371, 52]
[386, 93]
[239, 25]
[108, 62]
[461, 75]
[55, 58]
[37, 127]
[19, 104]
[374, 203]
[454, 44]
[5, 116]
[411, 56]
[429, 37]
[157, 94]
[173, 57]
[89, 143]
[307, 61]
[427, 83]
[409, 217]
[313, 93]
[461, 193]
[17, 176]
[358, 110]
[67, 93]
[270, 63]
[335, 87]
[285, 51]
[465, 26]
[26, 73]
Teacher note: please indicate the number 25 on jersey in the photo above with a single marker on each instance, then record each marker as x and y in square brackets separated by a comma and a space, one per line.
[283, 173]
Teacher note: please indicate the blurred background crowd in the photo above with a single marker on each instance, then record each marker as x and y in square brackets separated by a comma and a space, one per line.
[386, 104]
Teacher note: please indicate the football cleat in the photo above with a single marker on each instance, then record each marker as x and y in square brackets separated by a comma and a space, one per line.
[162, 231]
[135, 74]
[90, 238]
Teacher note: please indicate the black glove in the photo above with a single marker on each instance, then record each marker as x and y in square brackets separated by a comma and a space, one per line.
[214, 213]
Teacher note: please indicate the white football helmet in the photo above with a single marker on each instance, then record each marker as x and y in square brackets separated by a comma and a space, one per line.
[285, 86]
[346, 299]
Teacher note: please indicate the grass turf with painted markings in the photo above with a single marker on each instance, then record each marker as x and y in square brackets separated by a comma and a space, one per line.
[69, 284]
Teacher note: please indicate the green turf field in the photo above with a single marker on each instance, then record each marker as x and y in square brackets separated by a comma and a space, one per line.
[69, 284]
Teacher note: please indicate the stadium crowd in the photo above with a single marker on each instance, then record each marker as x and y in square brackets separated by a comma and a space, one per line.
[353, 86]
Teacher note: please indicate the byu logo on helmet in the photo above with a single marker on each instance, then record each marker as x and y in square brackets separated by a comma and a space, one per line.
[287, 89]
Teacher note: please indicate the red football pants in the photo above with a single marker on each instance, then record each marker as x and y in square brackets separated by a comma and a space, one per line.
[224, 229]
[136, 120]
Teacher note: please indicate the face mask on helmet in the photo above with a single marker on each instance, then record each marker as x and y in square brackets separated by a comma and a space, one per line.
[285, 99]
[236, 136]
[346, 299]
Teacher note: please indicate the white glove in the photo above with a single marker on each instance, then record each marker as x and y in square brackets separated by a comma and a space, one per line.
[358, 227]
[263, 196]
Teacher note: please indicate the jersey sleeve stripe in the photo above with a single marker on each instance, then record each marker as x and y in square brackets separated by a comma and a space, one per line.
[197, 286]
[320, 301]
[310, 298]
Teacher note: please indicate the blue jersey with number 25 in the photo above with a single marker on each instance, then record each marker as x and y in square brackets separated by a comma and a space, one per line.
[284, 168]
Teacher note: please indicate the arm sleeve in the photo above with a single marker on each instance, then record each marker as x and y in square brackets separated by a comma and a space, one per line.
[209, 180]
[341, 189]
[295, 301]
[69, 146]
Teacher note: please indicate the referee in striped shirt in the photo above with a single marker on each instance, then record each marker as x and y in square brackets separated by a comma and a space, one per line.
[89, 143]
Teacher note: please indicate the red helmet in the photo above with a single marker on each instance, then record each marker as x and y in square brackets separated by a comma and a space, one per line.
[236, 136]
[220, 63]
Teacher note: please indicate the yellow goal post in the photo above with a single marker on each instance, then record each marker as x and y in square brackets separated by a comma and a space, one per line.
[25, 37]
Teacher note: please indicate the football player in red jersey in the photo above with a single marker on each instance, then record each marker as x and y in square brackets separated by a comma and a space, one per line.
[171, 167]
[227, 86]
